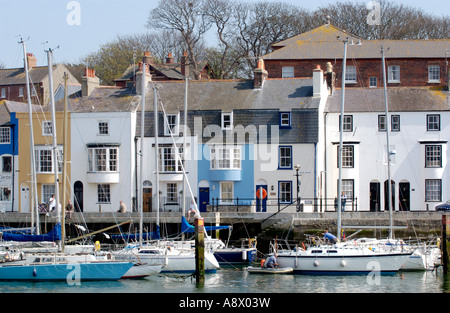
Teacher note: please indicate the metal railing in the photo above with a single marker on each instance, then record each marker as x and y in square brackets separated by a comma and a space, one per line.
[319, 205]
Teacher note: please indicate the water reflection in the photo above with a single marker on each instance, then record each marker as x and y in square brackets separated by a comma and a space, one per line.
[238, 280]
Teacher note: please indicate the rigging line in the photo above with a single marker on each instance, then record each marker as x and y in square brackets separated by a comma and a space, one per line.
[177, 152]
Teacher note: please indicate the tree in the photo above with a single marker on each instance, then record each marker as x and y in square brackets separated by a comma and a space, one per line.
[188, 18]
[396, 21]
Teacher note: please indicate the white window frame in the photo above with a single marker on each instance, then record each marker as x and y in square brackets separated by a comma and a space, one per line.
[5, 135]
[44, 159]
[103, 193]
[350, 74]
[225, 157]
[226, 196]
[223, 122]
[103, 128]
[47, 191]
[433, 156]
[284, 159]
[433, 190]
[433, 122]
[169, 159]
[285, 119]
[47, 128]
[373, 82]
[172, 193]
[434, 75]
[3, 93]
[103, 160]
[287, 72]
[20, 92]
[285, 192]
[394, 74]
[171, 123]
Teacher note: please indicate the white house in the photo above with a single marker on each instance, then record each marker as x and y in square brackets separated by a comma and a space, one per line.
[419, 129]
[103, 129]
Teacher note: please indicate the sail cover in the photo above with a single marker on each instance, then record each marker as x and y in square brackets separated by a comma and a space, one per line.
[188, 228]
[53, 235]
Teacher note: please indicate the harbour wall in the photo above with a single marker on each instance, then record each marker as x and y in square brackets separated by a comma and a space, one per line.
[410, 224]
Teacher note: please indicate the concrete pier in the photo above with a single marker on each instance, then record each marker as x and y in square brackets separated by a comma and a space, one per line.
[416, 222]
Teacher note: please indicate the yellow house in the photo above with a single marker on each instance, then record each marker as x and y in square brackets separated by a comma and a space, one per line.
[43, 143]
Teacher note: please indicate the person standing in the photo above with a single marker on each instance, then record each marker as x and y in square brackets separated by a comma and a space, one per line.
[51, 203]
[343, 201]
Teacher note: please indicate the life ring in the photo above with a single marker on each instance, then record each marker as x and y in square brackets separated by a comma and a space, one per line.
[264, 193]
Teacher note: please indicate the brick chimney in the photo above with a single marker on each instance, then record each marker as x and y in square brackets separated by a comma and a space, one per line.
[31, 60]
[185, 64]
[147, 58]
[260, 75]
[330, 77]
[148, 77]
[89, 82]
[169, 58]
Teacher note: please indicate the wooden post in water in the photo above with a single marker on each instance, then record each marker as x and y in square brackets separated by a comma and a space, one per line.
[199, 252]
[445, 241]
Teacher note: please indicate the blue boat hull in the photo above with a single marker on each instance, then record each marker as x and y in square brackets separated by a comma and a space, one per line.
[70, 272]
[235, 256]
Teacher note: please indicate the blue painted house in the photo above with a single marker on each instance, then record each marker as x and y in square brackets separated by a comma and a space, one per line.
[244, 140]
[8, 160]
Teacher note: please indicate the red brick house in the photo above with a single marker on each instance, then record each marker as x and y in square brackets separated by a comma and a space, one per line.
[409, 62]
[13, 82]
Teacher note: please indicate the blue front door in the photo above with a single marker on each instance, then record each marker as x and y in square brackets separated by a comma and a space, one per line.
[261, 198]
[203, 199]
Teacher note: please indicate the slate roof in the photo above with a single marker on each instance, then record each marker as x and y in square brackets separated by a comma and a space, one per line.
[321, 43]
[16, 76]
[400, 99]
[105, 99]
[257, 107]
[227, 95]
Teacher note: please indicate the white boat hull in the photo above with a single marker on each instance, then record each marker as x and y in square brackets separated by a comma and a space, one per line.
[355, 261]
[139, 270]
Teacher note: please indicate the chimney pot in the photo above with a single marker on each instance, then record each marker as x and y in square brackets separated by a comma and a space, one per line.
[31, 60]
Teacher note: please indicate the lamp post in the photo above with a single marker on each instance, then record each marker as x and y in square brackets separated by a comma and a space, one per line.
[299, 206]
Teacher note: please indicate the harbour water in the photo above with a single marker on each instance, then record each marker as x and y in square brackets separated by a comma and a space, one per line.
[236, 280]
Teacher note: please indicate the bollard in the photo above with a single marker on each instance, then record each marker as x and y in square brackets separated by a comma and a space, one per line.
[199, 252]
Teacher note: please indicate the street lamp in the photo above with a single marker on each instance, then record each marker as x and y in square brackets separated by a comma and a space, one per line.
[299, 206]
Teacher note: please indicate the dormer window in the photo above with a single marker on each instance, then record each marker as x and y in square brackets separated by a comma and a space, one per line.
[171, 123]
[227, 121]
[285, 119]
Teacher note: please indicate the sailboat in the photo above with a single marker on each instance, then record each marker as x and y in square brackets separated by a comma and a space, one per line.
[59, 266]
[225, 255]
[341, 258]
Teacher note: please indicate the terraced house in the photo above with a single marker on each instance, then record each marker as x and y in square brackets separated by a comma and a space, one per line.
[418, 104]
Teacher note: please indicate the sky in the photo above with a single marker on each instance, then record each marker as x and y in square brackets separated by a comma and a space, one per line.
[76, 28]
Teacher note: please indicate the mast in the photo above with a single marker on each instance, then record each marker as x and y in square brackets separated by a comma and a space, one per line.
[34, 200]
[141, 191]
[341, 141]
[155, 110]
[387, 144]
[54, 145]
[185, 145]
[63, 226]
